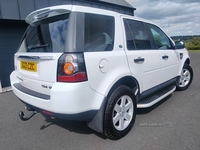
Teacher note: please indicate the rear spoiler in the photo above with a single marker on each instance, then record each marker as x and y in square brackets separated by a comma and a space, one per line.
[37, 16]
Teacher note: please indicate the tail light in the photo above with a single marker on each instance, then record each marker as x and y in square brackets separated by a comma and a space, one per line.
[71, 68]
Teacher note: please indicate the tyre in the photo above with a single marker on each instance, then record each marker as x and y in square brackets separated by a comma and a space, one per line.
[120, 113]
[185, 79]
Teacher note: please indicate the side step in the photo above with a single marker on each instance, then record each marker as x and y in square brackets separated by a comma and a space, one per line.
[150, 101]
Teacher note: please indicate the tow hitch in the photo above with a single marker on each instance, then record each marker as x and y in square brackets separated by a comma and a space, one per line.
[21, 114]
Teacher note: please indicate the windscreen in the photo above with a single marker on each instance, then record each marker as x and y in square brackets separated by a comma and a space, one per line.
[48, 36]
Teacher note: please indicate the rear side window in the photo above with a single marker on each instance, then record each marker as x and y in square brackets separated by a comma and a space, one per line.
[47, 37]
[137, 37]
[99, 33]
[160, 38]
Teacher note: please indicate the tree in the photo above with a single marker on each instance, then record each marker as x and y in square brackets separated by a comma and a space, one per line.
[193, 44]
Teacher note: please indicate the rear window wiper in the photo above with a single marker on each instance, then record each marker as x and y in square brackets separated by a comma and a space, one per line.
[38, 46]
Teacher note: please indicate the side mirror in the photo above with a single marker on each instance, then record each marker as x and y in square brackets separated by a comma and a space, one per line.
[179, 45]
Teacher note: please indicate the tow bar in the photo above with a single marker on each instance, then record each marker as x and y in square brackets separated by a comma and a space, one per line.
[21, 114]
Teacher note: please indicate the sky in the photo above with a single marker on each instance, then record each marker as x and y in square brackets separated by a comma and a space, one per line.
[175, 17]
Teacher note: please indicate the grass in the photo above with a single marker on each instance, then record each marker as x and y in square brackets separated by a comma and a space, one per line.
[193, 50]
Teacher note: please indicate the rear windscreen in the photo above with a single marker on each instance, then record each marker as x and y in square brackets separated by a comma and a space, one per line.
[47, 37]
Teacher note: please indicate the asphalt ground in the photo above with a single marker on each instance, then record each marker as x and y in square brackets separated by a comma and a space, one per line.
[173, 124]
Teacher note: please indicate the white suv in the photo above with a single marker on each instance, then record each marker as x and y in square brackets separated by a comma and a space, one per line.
[82, 63]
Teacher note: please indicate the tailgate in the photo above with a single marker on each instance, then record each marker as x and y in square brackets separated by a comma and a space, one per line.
[43, 43]
[37, 72]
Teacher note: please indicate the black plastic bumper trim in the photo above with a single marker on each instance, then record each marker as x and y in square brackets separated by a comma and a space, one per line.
[83, 116]
[31, 92]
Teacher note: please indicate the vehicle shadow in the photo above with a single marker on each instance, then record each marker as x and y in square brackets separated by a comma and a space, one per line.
[141, 111]
[79, 127]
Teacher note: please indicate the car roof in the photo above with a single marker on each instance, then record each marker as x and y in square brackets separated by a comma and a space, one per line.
[118, 2]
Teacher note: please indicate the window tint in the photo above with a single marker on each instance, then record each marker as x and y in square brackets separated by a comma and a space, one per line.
[99, 33]
[161, 40]
[48, 37]
[136, 35]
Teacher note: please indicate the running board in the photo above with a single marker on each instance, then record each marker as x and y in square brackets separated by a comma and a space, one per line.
[150, 101]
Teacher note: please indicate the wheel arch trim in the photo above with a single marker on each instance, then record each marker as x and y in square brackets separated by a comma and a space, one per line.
[186, 61]
[97, 123]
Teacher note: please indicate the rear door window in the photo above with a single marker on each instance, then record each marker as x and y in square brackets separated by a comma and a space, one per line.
[137, 37]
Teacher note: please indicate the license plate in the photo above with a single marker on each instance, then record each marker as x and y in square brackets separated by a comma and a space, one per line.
[28, 66]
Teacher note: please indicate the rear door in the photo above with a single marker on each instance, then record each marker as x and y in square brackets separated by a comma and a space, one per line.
[144, 62]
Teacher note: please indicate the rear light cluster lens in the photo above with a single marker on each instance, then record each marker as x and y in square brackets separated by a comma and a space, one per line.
[71, 68]
[68, 68]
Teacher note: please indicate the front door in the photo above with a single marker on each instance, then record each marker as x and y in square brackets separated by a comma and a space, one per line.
[169, 57]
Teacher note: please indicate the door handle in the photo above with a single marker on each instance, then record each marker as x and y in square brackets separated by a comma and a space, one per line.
[165, 57]
[139, 60]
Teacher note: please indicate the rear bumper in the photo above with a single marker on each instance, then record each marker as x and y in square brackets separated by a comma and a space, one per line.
[83, 116]
[73, 101]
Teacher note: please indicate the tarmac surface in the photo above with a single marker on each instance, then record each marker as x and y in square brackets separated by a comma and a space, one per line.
[173, 124]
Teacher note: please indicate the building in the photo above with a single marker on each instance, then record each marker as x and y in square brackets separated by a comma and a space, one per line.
[12, 25]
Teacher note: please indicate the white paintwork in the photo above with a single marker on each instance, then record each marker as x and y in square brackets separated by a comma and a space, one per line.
[148, 72]
[169, 67]
[72, 98]
[102, 82]
[45, 75]
[66, 98]
[104, 66]
[32, 17]
[185, 57]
